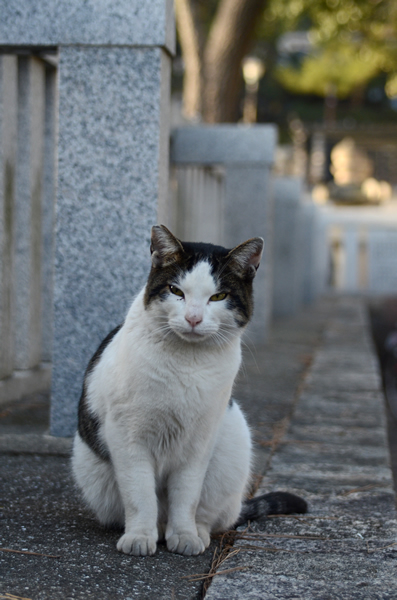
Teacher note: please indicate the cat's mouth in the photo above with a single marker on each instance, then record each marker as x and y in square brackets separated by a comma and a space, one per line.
[192, 336]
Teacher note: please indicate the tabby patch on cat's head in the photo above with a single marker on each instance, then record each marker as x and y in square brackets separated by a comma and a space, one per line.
[200, 289]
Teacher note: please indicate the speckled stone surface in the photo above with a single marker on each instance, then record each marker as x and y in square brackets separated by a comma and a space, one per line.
[94, 22]
[42, 512]
[287, 245]
[223, 144]
[27, 213]
[335, 455]
[76, 558]
[112, 120]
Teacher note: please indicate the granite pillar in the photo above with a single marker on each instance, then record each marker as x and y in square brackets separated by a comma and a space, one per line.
[246, 153]
[28, 210]
[307, 292]
[288, 246]
[382, 261]
[113, 86]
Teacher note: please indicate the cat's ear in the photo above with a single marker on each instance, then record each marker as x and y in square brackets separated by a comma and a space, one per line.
[247, 256]
[165, 247]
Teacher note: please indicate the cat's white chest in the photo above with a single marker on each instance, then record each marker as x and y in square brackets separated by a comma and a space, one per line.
[171, 402]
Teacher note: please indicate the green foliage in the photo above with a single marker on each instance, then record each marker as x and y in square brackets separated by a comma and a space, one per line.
[336, 69]
[352, 41]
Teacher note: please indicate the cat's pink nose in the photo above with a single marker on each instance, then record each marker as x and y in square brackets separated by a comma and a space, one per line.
[193, 320]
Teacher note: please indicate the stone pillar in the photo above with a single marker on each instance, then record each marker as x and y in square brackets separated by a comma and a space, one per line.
[8, 136]
[28, 211]
[113, 85]
[309, 211]
[288, 246]
[351, 247]
[246, 153]
[382, 260]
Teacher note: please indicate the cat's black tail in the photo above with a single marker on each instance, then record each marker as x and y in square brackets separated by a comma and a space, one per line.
[274, 503]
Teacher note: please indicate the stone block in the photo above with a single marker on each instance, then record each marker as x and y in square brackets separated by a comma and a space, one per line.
[212, 144]
[93, 22]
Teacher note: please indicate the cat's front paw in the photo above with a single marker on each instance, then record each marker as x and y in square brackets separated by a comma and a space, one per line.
[137, 545]
[188, 544]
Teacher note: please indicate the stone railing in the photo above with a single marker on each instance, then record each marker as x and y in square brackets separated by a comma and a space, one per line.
[84, 101]
[27, 203]
[300, 263]
[197, 200]
[239, 206]
[362, 246]
[111, 169]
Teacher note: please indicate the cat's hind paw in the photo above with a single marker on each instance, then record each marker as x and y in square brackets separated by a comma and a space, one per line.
[187, 544]
[139, 545]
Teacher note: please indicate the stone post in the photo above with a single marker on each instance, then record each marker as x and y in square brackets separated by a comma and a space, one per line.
[246, 153]
[28, 210]
[288, 246]
[8, 137]
[113, 86]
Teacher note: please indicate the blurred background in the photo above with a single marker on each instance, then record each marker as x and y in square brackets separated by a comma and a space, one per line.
[324, 71]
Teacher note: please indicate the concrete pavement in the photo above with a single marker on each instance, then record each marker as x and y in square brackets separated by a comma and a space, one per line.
[313, 398]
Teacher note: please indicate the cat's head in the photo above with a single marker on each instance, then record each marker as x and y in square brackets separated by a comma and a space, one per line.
[201, 291]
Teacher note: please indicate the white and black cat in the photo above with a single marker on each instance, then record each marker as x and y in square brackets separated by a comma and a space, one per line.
[161, 447]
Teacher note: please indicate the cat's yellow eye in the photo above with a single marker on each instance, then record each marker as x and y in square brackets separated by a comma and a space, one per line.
[218, 297]
[176, 291]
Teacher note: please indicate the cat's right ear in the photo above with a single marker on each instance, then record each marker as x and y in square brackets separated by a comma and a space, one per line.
[165, 247]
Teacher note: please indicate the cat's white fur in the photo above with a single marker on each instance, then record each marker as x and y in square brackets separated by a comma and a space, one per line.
[180, 456]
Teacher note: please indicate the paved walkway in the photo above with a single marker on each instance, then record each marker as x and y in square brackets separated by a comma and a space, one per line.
[319, 369]
[335, 454]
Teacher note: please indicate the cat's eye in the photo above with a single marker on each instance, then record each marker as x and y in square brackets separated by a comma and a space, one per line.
[218, 297]
[176, 291]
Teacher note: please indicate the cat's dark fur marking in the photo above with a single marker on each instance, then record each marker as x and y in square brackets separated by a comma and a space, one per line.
[274, 503]
[238, 285]
[88, 422]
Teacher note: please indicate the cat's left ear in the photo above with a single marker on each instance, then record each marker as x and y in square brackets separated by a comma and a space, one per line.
[165, 247]
[247, 256]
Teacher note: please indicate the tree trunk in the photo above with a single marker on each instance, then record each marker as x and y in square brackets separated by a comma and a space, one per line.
[228, 42]
[213, 78]
[189, 39]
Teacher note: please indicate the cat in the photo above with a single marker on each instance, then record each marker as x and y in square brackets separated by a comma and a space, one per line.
[162, 448]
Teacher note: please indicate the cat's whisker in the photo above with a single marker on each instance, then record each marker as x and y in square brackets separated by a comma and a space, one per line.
[249, 348]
